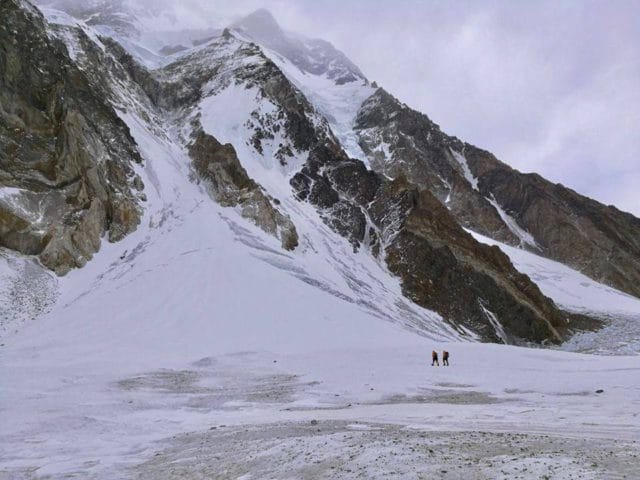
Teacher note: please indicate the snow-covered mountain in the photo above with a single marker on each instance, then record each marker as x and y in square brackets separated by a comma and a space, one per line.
[251, 235]
[289, 134]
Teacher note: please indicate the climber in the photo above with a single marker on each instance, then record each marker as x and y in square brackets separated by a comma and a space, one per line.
[434, 358]
[445, 358]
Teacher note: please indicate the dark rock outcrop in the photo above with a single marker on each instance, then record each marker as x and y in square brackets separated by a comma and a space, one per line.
[438, 262]
[441, 266]
[600, 241]
[424, 155]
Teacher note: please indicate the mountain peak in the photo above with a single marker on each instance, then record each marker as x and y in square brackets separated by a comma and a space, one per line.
[261, 14]
[261, 24]
[314, 56]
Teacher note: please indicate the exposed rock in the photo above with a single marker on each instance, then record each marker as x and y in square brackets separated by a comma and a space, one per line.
[171, 49]
[419, 151]
[600, 241]
[62, 148]
[441, 266]
[231, 186]
[135, 71]
[338, 186]
[438, 261]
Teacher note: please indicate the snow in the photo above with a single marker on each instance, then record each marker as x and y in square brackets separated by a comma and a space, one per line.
[137, 49]
[98, 407]
[495, 323]
[8, 193]
[525, 237]
[23, 203]
[200, 320]
[461, 159]
[67, 23]
[567, 287]
[225, 114]
[339, 104]
[58, 17]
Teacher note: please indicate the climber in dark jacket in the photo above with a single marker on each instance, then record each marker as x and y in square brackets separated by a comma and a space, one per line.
[434, 358]
[445, 358]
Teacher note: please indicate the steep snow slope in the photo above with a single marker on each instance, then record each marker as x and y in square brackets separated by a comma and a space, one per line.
[338, 103]
[327, 78]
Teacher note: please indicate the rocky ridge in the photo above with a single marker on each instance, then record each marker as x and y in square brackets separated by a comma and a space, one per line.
[491, 198]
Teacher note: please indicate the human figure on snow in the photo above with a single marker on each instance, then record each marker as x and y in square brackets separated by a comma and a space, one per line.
[445, 358]
[434, 359]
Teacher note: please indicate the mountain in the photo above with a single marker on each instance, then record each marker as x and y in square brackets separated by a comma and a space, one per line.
[288, 135]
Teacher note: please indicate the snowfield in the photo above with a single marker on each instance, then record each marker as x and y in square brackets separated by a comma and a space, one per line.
[198, 348]
[153, 400]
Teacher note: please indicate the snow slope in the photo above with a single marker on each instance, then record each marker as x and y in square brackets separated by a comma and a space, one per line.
[194, 280]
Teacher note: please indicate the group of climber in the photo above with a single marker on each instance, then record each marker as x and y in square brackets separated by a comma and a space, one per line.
[445, 358]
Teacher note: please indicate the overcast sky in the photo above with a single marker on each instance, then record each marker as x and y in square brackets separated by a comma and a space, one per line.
[548, 86]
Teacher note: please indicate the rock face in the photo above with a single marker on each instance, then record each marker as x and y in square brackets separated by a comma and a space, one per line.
[218, 165]
[64, 153]
[599, 240]
[421, 243]
[397, 222]
[489, 197]
[437, 260]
